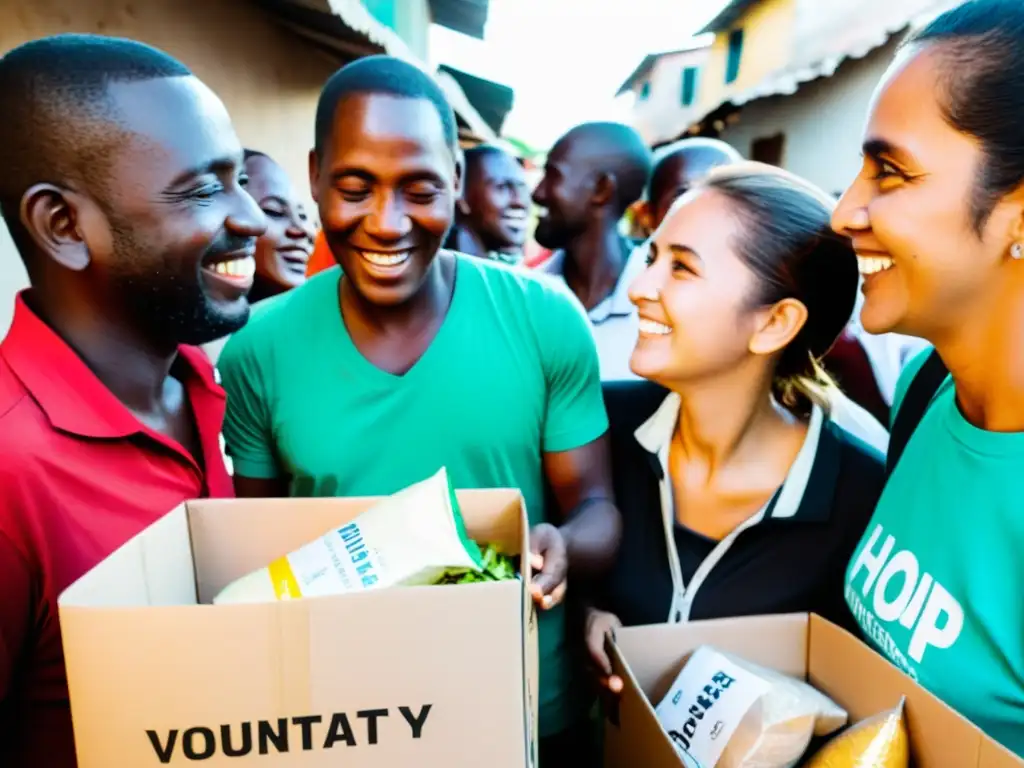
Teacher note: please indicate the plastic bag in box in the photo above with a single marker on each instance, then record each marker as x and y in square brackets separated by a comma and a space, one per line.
[725, 712]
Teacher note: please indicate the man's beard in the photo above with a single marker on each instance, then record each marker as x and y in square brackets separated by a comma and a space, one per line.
[553, 235]
[167, 302]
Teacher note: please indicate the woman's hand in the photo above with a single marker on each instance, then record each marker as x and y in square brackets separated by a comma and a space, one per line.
[599, 626]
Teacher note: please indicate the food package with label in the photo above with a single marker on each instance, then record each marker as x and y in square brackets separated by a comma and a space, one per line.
[414, 537]
[878, 742]
[725, 712]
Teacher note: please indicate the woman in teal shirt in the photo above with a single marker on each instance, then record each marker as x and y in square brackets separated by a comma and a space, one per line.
[937, 220]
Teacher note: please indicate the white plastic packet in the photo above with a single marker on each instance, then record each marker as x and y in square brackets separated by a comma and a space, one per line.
[725, 712]
[413, 537]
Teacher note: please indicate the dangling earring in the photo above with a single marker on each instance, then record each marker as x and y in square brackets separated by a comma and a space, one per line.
[1017, 251]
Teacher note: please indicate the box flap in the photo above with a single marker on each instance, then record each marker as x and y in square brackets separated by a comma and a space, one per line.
[995, 755]
[647, 743]
[154, 568]
[865, 683]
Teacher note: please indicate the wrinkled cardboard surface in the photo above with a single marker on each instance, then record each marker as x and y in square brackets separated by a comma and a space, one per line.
[808, 647]
[144, 653]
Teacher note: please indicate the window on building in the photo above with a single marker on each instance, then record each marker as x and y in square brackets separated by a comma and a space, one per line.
[732, 64]
[769, 149]
[645, 90]
[689, 86]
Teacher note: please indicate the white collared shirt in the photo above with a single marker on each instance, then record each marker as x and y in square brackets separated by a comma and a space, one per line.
[614, 321]
[655, 436]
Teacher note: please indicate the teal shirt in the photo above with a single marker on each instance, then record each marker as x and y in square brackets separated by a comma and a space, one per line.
[937, 583]
[512, 373]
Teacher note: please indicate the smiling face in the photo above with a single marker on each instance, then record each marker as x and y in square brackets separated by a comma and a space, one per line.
[173, 239]
[926, 268]
[695, 297]
[284, 249]
[386, 187]
[497, 200]
[564, 193]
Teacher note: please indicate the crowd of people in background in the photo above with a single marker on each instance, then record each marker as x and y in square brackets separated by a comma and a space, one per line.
[704, 411]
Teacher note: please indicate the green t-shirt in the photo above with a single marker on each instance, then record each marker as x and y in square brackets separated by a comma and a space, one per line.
[512, 373]
[936, 582]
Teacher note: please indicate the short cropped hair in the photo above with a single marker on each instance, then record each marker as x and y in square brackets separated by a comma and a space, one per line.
[622, 153]
[710, 152]
[56, 126]
[384, 75]
[474, 157]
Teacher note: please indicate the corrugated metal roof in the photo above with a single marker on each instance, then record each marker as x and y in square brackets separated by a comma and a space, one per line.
[492, 100]
[346, 29]
[464, 109]
[826, 36]
[344, 26]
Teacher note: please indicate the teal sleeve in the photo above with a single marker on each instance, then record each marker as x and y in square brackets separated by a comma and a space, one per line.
[903, 383]
[247, 425]
[575, 405]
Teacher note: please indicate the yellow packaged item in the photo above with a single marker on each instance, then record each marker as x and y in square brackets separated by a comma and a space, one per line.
[878, 742]
[414, 537]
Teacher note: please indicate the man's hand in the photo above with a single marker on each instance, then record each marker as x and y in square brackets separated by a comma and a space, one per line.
[550, 563]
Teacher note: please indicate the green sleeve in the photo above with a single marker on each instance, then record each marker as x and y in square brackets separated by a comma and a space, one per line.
[907, 375]
[247, 424]
[575, 405]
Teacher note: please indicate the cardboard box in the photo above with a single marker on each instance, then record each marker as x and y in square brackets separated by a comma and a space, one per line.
[398, 677]
[808, 647]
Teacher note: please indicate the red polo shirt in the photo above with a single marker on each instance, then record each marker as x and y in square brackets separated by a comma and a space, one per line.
[79, 476]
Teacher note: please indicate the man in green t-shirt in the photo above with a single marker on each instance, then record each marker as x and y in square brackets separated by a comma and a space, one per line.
[369, 378]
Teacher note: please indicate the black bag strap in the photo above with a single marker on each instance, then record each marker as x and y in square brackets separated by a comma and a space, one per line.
[914, 406]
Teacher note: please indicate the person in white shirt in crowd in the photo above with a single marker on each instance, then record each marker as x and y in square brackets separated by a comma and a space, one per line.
[592, 176]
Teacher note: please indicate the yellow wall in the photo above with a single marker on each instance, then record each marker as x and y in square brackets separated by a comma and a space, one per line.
[767, 35]
[269, 78]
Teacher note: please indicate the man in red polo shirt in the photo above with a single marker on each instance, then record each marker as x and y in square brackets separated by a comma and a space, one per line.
[122, 186]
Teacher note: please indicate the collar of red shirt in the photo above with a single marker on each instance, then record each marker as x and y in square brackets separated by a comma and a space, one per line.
[70, 394]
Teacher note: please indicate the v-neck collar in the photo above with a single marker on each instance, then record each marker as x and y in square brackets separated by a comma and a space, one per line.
[363, 364]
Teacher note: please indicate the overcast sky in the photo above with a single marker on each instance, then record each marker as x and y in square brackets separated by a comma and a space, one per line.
[566, 58]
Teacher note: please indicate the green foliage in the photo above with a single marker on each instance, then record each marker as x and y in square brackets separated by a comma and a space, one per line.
[496, 567]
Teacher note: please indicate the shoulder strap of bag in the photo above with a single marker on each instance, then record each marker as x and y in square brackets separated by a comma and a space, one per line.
[915, 403]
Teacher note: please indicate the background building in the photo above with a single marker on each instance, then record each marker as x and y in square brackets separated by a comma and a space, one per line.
[787, 82]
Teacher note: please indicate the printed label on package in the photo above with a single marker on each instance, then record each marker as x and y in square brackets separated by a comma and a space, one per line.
[706, 704]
